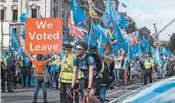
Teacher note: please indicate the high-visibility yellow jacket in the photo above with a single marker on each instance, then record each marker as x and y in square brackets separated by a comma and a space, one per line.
[149, 63]
[4, 59]
[67, 68]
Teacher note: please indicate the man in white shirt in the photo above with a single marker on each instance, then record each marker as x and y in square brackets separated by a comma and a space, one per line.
[118, 67]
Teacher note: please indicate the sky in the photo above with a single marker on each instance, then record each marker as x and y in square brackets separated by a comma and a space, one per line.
[148, 12]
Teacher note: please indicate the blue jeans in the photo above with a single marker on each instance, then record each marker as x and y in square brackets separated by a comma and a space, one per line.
[160, 72]
[39, 82]
[117, 74]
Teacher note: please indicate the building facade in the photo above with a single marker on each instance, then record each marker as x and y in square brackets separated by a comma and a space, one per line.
[11, 10]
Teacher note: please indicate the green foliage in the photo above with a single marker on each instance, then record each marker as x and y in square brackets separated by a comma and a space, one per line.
[132, 26]
[172, 42]
[144, 31]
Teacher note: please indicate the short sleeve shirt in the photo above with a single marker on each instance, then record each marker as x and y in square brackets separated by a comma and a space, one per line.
[39, 66]
[83, 64]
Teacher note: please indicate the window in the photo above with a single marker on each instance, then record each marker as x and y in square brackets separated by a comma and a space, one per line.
[15, 15]
[15, 1]
[55, 1]
[15, 30]
[2, 0]
[34, 13]
[2, 15]
[54, 14]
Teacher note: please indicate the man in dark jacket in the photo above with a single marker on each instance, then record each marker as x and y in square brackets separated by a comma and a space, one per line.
[6, 65]
[171, 67]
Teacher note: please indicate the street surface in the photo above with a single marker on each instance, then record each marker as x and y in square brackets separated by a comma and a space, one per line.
[25, 95]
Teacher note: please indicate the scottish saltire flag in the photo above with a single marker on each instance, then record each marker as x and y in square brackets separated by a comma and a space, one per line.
[110, 16]
[76, 31]
[132, 38]
[14, 40]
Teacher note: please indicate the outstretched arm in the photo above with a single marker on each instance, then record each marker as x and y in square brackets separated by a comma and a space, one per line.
[52, 58]
[29, 55]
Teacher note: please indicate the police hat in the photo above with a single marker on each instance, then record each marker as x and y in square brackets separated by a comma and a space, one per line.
[67, 46]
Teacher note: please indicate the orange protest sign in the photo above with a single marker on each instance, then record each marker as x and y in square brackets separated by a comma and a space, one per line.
[43, 35]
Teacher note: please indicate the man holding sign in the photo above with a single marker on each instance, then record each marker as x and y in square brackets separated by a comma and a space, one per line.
[43, 36]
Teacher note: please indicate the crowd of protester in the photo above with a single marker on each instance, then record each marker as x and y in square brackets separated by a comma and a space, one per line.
[20, 70]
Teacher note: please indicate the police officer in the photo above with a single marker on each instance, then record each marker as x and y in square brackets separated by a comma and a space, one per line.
[149, 65]
[66, 74]
[6, 65]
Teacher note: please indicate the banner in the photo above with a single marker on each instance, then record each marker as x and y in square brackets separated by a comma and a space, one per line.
[44, 35]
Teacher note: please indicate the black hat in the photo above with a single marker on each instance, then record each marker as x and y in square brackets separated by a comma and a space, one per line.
[67, 46]
[83, 44]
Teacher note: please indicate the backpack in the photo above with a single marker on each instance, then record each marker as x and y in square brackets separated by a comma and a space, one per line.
[106, 78]
[99, 63]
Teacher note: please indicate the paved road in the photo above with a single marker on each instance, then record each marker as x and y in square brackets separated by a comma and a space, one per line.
[24, 95]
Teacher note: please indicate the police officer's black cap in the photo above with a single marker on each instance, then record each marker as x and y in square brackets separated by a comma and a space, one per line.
[67, 46]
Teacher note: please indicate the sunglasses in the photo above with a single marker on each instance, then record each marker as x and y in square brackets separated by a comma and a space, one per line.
[79, 49]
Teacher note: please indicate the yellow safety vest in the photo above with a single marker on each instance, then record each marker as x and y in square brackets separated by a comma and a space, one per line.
[4, 60]
[67, 67]
[149, 63]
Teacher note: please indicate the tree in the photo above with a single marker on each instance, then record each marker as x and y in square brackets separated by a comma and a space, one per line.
[166, 44]
[144, 31]
[132, 26]
[172, 42]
